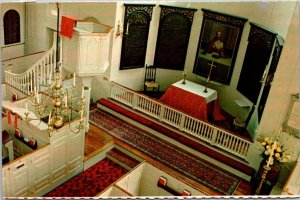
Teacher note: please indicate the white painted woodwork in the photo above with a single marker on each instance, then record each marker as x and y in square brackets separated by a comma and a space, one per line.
[114, 191]
[142, 181]
[292, 186]
[59, 156]
[75, 152]
[20, 178]
[195, 127]
[5, 189]
[41, 170]
[87, 52]
[36, 172]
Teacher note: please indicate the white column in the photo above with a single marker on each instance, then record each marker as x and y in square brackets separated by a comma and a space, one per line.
[87, 83]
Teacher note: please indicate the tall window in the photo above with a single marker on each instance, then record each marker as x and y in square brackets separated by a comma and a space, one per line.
[173, 37]
[11, 27]
[135, 35]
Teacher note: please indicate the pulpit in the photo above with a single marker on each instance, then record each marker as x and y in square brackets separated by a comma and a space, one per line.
[191, 99]
[87, 52]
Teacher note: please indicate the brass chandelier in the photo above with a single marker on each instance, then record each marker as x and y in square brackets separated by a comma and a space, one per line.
[56, 105]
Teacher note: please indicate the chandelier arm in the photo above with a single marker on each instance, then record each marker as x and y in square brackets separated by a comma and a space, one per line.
[27, 119]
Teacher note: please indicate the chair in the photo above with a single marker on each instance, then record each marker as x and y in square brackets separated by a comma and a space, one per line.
[150, 75]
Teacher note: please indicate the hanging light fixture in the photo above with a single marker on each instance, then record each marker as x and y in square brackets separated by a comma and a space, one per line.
[57, 104]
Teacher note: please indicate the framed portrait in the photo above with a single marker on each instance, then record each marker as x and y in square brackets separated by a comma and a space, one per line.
[218, 45]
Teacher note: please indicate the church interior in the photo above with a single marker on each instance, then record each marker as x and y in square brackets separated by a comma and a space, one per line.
[152, 98]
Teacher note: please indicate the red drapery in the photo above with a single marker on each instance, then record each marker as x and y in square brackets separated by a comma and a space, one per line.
[67, 25]
[191, 104]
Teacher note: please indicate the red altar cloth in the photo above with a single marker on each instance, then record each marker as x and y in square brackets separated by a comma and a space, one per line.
[191, 104]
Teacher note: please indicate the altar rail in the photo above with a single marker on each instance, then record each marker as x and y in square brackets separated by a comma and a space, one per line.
[195, 127]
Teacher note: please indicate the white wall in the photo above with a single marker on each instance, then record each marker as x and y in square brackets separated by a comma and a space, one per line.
[286, 82]
[13, 50]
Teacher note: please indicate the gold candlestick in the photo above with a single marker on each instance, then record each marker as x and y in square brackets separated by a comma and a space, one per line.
[184, 76]
[263, 178]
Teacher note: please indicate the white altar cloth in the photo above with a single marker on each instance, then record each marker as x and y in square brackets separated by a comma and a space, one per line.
[197, 89]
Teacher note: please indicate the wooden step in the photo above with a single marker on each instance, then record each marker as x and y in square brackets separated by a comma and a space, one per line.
[122, 159]
[96, 141]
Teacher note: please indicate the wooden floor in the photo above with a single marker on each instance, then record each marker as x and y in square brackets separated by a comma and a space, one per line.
[95, 141]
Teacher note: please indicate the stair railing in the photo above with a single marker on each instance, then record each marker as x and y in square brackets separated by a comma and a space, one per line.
[207, 132]
[36, 76]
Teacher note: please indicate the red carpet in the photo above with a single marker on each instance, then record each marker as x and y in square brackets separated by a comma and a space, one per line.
[184, 140]
[90, 182]
[191, 166]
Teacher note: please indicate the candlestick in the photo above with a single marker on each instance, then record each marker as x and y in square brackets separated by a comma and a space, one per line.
[263, 178]
[74, 80]
[81, 115]
[49, 119]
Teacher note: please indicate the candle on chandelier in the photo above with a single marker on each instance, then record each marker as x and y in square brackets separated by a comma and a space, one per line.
[82, 94]
[38, 98]
[66, 101]
[49, 119]
[50, 77]
[74, 80]
[26, 107]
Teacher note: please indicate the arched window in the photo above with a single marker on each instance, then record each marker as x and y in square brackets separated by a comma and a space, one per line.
[11, 23]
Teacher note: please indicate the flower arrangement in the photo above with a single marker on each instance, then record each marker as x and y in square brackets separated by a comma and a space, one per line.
[273, 149]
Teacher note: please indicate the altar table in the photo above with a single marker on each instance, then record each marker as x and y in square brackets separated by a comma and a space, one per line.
[190, 99]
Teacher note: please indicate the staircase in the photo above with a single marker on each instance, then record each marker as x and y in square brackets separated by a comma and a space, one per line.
[37, 76]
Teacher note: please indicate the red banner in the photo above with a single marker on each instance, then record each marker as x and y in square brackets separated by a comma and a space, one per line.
[8, 116]
[67, 25]
[16, 121]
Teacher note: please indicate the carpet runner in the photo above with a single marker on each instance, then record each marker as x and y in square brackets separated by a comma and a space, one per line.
[167, 153]
[90, 182]
[178, 137]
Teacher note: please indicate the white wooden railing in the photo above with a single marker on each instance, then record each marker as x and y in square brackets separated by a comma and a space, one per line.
[36, 76]
[204, 131]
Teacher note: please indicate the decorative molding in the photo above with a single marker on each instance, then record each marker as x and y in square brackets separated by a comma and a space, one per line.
[130, 8]
[268, 36]
[225, 18]
[188, 12]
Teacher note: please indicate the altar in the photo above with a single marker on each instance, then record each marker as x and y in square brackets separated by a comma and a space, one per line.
[191, 99]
